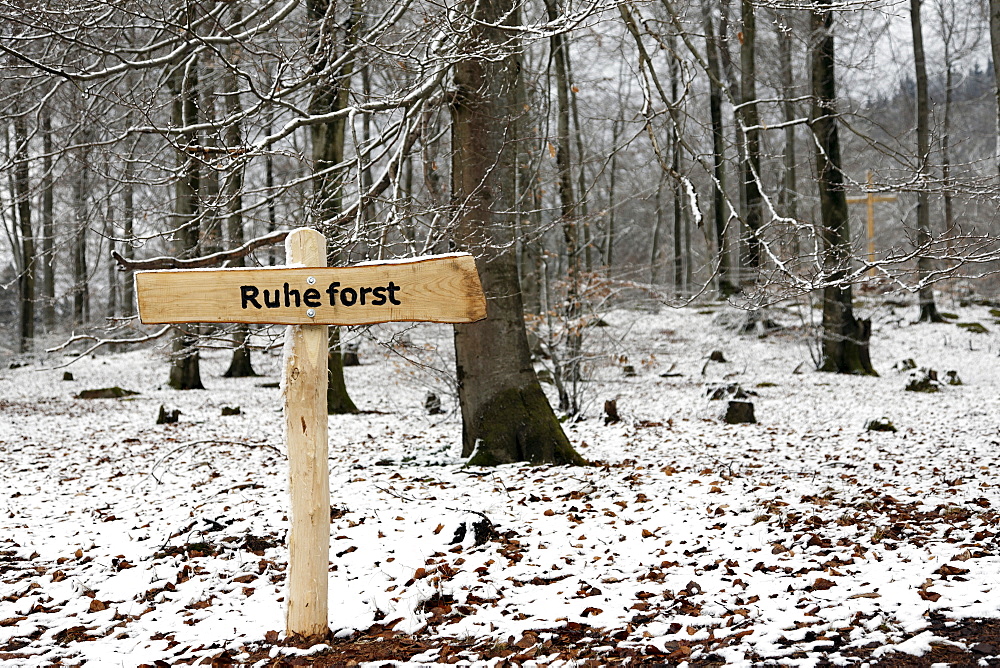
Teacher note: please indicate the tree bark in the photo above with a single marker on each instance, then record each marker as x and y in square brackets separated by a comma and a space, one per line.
[505, 415]
[22, 194]
[925, 265]
[675, 165]
[48, 251]
[240, 365]
[128, 215]
[724, 271]
[569, 371]
[330, 95]
[789, 184]
[753, 214]
[995, 49]
[845, 339]
[185, 365]
[81, 221]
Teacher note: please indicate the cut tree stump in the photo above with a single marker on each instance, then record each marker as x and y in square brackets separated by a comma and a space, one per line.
[433, 404]
[611, 412]
[168, 417]
[739, 412]
[923, 380]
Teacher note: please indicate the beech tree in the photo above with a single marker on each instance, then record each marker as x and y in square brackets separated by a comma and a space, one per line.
[928, 308]
[505, 415]
[845, 338]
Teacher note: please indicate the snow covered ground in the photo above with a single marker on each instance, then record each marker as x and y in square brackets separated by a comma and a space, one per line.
[802, 538]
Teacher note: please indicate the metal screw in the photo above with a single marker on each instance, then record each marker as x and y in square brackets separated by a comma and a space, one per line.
[311, 313]
[311, 280]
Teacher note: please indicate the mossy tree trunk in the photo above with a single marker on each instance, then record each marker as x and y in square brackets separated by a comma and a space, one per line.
[331, 94]
[845, 339]
[505, 416]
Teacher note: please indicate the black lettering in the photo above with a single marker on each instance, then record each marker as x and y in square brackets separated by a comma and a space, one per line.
[379, 295]
[351, 300]
[277, 299]
[364, 291]
[249, 295]
[311, 297]
[332, 291]
[392, 293]
[291, 293]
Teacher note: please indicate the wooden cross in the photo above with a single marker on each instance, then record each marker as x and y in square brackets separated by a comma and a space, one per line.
[309, 296]
[870, 198]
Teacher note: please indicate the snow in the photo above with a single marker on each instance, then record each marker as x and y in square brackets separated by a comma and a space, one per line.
[797, 540]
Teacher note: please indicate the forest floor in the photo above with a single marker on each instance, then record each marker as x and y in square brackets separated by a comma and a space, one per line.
[805, 539]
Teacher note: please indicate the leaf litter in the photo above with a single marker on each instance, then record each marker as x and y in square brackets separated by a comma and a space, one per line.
[801, 540]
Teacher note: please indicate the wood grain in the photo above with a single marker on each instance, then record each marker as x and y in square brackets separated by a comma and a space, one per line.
[442, 289]
[305, 381]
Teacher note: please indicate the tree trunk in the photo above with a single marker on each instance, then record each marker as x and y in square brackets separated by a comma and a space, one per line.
[527, 226]
[22, 194]
[789, 185]
[995, 49]
[128, 214]
[505, 415]
[569, 370]
[240, 365]
[609, 236]
[81, 216]
[654, 245]
[724, 271]
[753, 214]
[925, 265]
[48, 255]
[331, 94]
[185, 369]
[111, 308]
[845, 339]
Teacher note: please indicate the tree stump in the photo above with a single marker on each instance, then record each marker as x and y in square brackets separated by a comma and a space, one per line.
[433, 404]
[167, 417]
[739, 412]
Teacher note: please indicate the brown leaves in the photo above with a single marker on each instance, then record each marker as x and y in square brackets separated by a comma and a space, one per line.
[822, 584]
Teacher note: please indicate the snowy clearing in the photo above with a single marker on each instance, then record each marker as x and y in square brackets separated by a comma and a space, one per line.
[801, 539]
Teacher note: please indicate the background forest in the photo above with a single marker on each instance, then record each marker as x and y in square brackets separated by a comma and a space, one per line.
[588, 153]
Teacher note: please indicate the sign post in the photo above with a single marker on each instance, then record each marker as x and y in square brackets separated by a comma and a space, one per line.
[869, 199]
[308, 296]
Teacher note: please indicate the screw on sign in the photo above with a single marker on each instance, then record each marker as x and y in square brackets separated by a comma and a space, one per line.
[441, 288]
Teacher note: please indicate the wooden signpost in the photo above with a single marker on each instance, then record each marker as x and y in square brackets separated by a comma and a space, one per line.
[870, 198]
[309, 296]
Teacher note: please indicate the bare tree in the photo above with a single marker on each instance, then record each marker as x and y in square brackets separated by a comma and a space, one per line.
[845, 339]
[925, 265]
[505, 415]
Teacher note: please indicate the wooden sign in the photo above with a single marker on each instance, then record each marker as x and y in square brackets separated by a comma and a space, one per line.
[309, 296]
[438, 288]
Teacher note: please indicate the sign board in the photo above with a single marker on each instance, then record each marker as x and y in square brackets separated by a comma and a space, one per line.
[437, 288]
[309, 296]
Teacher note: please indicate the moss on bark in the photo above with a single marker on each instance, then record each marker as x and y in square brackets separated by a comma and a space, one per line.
[338, 401]
[518, 425]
